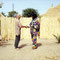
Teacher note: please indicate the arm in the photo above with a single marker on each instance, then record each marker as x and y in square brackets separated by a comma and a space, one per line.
[27, 27]
[18, 24]
[23, 26]
[39, 29]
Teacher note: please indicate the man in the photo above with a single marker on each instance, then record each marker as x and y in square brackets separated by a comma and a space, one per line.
[18, 27]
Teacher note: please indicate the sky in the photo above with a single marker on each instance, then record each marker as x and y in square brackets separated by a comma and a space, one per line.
[19, 5]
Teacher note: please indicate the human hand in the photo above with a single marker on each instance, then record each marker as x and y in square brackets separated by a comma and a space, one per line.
[31, 25]
[26, 26]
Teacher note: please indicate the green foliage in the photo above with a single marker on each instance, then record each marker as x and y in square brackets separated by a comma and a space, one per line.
[29, 12]
[57, 37]
[1, 5]
[3, 13]
[12, 14]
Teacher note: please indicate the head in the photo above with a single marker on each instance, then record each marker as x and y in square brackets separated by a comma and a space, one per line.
[18, 16]
[34, 16]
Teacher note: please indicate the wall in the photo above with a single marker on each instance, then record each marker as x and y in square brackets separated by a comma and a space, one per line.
[48, 27]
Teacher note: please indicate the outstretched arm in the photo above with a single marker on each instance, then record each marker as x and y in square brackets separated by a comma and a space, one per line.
[27, 27]
[24, 26]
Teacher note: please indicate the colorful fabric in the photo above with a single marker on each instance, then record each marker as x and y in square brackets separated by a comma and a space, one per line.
[34, 29]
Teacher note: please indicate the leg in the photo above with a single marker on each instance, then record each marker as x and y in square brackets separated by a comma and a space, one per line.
[34, 41]
[32, 38]
[17, 41]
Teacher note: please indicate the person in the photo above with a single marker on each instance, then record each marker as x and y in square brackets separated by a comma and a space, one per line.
[18, 27]
[34, 30]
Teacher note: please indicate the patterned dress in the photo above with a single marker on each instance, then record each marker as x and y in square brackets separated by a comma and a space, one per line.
[34, 30]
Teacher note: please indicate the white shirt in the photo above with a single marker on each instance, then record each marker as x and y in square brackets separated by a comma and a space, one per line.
[17, 27]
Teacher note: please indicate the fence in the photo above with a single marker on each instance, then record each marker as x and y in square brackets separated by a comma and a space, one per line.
[48, 27]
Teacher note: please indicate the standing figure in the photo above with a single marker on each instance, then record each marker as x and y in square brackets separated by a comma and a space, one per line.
[18, 27]
[34, 30]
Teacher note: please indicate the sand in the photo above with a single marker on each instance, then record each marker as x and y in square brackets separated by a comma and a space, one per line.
[48, 49]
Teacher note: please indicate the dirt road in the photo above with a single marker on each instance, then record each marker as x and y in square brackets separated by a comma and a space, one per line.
[47, 50]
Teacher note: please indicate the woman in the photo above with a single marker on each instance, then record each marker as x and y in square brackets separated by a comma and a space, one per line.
[34, 30]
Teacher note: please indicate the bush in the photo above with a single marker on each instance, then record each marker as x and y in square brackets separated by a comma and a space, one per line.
[12, 14]
[57, 37]
[29, 12]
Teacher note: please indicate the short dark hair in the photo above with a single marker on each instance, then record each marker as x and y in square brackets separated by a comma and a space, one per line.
[34, 16]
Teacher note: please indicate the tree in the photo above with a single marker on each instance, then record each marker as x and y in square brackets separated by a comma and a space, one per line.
[1, 5]
[3, 13]
[29, 12]
[12, 14]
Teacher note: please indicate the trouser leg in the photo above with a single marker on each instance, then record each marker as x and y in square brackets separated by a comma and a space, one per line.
[34, 39]
[17, 41]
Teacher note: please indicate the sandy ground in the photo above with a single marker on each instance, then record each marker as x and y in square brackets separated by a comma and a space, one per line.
[47, 50]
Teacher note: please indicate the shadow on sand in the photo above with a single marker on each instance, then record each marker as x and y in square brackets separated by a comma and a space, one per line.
[24, 45]
[4, 44]
[39, 44]
[21, 46]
